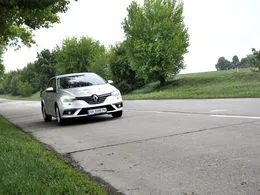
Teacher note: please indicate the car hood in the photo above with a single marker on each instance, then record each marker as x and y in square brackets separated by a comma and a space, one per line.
[88, 91]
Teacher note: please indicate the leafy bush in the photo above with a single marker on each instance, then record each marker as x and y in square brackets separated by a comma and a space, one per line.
[125, 78]
[2, 88]
[14, 85]
[124, 87]
[25, 89]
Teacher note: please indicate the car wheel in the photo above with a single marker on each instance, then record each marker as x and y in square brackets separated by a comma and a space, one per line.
[46, 117]
[59, 119]
[117, 114]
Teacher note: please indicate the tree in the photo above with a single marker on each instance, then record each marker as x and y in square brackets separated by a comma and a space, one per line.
[18, 18]
[31, 78]
[7, 82]
[125, 78]
[2, 68]
[25, 89]
[257, 58]
[78, 55]
[12, 83]
[248, 61]
[40, 71]
[156, 38]
[235, 62]
[29, 74]
[45, 67]
[100, 65]
[223, 64]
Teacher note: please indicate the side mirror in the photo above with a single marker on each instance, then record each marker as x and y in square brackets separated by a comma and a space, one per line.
[49, 89]
[110, 81]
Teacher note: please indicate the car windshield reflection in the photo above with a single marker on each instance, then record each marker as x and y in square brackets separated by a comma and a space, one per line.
[80, 81]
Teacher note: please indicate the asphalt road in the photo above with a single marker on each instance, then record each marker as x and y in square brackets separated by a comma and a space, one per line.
[185, 147]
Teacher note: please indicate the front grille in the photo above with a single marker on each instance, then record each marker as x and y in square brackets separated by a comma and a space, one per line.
[91, 100]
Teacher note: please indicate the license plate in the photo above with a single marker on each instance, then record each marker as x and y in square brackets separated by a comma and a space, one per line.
[97, 111]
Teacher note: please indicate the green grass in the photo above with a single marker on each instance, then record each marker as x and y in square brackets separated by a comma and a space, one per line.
[222, 84]
[34, 97]
[26, 167]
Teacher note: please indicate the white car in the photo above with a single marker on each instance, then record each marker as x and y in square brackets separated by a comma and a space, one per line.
[79, 95]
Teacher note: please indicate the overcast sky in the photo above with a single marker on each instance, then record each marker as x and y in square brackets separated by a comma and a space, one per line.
[216, 27]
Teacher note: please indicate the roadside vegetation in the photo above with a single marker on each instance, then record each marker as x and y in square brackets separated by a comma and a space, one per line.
[26, 167]
[244, 83]
[34, 97]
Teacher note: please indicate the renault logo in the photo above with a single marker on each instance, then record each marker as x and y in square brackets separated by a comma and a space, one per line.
[95, 98]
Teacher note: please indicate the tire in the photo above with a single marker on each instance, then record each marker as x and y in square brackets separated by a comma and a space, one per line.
[117, 114]
[58, 116]
[46, 117]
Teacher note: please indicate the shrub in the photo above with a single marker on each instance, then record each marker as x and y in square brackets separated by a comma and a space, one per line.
[25, 89]
[124, 87]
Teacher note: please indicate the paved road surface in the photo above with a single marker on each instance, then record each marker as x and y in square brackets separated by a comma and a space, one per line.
[160, 147]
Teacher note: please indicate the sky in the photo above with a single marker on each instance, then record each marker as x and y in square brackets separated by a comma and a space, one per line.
[216, 27]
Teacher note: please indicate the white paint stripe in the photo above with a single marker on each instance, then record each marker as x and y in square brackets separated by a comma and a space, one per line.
[219, 110]
[233, 116]
[151, 111]
[215, 115]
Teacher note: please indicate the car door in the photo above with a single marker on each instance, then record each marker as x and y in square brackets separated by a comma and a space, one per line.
[51, 97]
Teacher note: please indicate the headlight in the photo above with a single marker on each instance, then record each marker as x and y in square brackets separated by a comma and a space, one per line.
[67, 99]
[116, 93]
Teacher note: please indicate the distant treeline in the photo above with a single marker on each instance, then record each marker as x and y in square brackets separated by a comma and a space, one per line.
[250, 61]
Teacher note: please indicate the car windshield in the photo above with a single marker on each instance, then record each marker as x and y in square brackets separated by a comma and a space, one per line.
[80, 81]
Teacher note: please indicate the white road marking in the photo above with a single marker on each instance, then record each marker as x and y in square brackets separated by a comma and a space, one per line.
[211, 115]
[151, 111]
[234, 116]
[219, 110]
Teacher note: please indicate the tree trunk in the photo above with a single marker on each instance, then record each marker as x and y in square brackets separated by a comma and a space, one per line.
[162, 81]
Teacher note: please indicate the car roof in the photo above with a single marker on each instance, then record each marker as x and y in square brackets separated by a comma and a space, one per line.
[73, 74]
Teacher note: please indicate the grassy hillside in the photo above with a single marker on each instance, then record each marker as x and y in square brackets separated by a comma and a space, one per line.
[222, 84]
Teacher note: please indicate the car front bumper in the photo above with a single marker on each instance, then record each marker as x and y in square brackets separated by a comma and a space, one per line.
[80, 108]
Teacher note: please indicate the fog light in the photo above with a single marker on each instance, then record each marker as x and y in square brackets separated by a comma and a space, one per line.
[120, 105]
[69, 112]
